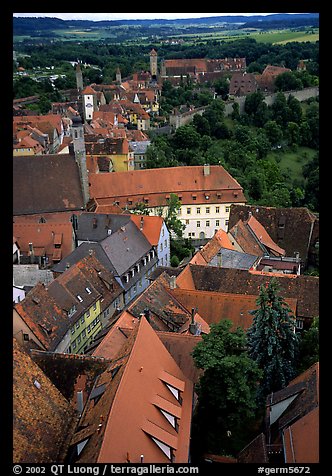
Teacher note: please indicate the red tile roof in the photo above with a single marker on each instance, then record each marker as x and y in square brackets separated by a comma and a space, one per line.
[219, 240]
[43, 418]
[45, 236]
[262, 236]
[157, 183]
[151, 226]
[149, 368]
[216, 306]
[301, 439]
[134, 397]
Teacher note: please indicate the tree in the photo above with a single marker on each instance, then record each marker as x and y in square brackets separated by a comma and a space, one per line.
[252, 103]
[272, 341]
[226, 390]
[273, 132]
[173, 223]
[309, 346]
[288, 82]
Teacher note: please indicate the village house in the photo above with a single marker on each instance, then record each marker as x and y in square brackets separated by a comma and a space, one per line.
[199, 69]
[142, 389]
[65, 315]
[242, 84]
[305, 289]
[108, 154]
[262, 230]
[266, 80]
[44, 243]
[126, 253]
[206, 194]
[47, 124]
[95, 227]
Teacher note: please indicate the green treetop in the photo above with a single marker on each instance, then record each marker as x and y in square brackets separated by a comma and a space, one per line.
[226, 390]
[272, 341]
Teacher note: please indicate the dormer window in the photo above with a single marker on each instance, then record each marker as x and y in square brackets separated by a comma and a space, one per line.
[72, 311]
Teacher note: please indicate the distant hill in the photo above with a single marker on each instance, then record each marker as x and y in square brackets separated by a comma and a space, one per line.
[26, 25]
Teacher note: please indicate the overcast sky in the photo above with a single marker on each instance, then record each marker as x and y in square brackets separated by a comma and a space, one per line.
[127, 16]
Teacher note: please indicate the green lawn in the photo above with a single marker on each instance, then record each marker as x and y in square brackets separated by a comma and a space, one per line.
[292, 162]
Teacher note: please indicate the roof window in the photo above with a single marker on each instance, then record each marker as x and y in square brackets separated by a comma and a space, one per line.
[88, 290]
[79, 298]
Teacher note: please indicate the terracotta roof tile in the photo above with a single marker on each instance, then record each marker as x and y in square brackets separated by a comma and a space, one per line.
[150, 225]
[303, 288]
[219, 240]
[301, 439]
[262, 235]
[46, 236]
[43, 418]
[130, 400]
[185, 180]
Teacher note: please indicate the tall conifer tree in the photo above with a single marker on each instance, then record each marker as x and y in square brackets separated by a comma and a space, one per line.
[272, 341]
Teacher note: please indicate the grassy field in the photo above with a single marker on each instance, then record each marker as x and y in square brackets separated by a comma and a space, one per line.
[284, 36]
[292, 162]
[272, 36]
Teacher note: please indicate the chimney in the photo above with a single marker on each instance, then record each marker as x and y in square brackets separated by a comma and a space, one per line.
[31, 253]
[192, 325]
[94, 223]
[79, 402]
[219, 258]
[206, 169]
[142, 223]
[193, 315]
[172, 283]
[67, 265]
[147, 314]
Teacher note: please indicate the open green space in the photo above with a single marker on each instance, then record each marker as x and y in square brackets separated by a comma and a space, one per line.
[291, 162]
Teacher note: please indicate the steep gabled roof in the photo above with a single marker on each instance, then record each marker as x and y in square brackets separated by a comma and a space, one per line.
[150, 226]
[138, 391]
[46, 183]
[218, 241]
[301, 439]
[245, 239]
[43, 418]
[96, 226]
[262, 235]
[293, 229]
[44, 236]
[155, 183]
[125, 247]
[229, 280]
[42, 314]
[216, 306]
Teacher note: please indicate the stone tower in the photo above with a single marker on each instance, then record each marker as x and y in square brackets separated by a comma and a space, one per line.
[79, 78]
[153, 64]
[77, 132]
[118, 76]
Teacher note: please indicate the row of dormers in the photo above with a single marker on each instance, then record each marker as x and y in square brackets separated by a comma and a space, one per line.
[136, 268]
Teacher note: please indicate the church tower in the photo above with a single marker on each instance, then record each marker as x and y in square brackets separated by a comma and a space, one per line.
[79, 78]
[118, 78]
[153, 63]
[77, 131]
